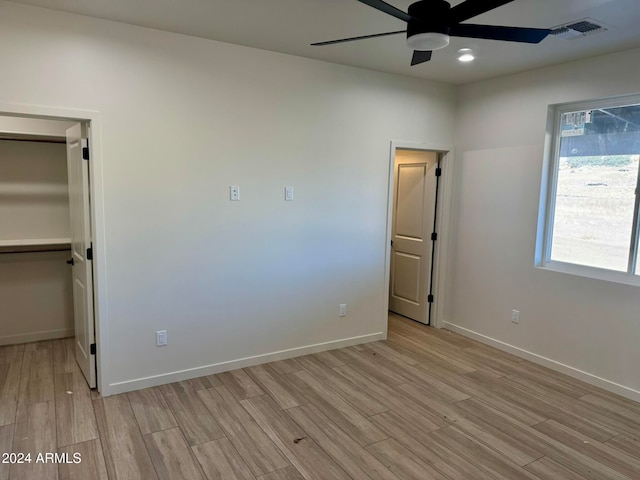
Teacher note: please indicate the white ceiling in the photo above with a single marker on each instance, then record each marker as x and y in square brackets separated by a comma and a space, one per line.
[289, 26]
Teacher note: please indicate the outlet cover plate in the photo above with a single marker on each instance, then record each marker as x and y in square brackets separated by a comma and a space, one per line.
[288, 194]
[161, 338]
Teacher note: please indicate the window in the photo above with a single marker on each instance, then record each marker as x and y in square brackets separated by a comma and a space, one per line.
[591, 225]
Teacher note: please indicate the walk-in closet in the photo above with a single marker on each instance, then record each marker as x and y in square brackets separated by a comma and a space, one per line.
[36, 301]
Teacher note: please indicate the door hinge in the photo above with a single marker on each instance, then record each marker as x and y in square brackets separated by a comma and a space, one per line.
[430, 298]
[434, 236]
[90, 253]
[85, 149]
[438, 172]
[92, 349]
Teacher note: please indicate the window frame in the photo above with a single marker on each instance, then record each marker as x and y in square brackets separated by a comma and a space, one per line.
[549, 190]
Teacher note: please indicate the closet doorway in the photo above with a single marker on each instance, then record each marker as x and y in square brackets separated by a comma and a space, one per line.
[46, 249]
[413, 233]
[418, 221]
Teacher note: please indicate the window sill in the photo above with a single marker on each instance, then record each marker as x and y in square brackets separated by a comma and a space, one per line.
[591, 272]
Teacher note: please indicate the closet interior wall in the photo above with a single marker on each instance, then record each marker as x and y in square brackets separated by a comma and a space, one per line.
[35, 281]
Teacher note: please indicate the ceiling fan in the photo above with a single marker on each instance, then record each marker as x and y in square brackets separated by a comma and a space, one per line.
[430, 23]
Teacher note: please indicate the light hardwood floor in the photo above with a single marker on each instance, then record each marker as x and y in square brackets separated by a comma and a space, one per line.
[425, 404]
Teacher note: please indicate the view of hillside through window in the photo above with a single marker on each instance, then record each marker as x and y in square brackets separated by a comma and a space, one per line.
[594, 211]
[597, 178]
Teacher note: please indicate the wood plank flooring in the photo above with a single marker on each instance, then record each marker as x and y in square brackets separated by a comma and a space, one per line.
[424, 404]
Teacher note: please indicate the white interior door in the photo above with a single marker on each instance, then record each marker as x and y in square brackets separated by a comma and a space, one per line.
[413, 215]
[79, 206]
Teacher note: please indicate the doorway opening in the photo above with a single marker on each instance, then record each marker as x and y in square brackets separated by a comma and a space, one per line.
[46, 249]
[415, 176]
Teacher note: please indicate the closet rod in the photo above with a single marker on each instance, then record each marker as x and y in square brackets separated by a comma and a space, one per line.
[32, 140]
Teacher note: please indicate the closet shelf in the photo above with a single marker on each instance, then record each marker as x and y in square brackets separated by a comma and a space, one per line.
[35, 245]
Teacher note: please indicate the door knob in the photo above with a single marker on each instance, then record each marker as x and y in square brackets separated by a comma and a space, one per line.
[70, 261]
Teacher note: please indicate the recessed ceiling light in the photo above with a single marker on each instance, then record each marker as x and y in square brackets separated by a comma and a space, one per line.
[466, 55]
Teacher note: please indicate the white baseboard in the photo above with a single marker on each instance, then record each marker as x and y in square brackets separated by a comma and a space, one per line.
[137, 384]
[36, 336]
[586, 377]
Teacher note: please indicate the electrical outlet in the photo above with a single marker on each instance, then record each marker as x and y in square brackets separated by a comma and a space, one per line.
[343, 310]
[234, 193]
[161, 338]
[288, 194]
[515, 316]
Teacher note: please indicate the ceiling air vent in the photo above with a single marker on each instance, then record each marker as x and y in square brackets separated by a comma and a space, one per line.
[581, 28]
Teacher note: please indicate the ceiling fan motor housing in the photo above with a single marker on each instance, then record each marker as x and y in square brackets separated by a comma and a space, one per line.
[428, 16]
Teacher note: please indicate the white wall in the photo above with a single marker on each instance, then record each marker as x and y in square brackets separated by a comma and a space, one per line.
[34, 196]
[588, 325]
[182, 119]
[35, 297]
[35, 288]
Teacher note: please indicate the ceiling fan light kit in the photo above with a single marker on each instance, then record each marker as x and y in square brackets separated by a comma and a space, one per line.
[428, 41]
[431, 23]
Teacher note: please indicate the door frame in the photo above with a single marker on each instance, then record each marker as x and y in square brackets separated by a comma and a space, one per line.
[443, 226]
[96, 192]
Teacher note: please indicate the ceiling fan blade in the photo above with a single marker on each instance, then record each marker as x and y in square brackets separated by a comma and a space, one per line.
[494, 32]
[388, 9]
[351, 39]
[420, 57]
[471, 8]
